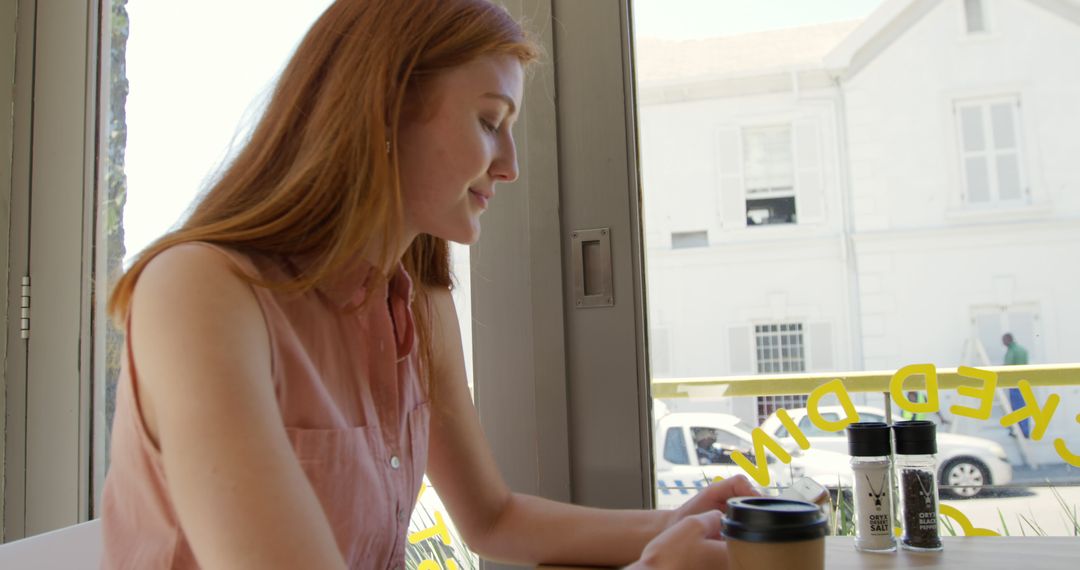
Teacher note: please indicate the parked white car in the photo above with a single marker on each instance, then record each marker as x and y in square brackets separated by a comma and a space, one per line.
[681, 471]
[965, 463]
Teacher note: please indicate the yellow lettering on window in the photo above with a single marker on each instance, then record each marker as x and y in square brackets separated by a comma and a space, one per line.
[440, 530]
[792, 429]
[835, 386]
[896, 388]
[1031, 409]
[760, 472]
[1069, 457]
[433, 565]
[984, 394]
[964, 522]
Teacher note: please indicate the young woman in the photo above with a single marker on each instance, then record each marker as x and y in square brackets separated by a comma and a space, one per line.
[293, 364]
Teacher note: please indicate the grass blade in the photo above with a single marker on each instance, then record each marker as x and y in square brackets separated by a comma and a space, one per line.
[947, 523]
[1004, 525]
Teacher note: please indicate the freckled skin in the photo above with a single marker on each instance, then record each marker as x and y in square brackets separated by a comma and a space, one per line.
[455, 152]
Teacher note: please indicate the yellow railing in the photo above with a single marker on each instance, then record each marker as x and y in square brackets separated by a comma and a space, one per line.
[877, 381]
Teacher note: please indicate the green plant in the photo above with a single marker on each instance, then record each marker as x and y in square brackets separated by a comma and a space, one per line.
[1070, 514]
[843, 516]
[1032, 524]
[947, 523]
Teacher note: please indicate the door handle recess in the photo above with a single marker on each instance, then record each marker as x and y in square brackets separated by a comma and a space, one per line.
[591, 252]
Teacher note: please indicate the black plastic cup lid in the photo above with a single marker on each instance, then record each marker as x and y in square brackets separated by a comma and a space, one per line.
[771, 519]
[869, 439]
[918, 437]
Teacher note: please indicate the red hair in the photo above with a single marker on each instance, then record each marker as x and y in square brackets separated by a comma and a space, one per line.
[315, 179]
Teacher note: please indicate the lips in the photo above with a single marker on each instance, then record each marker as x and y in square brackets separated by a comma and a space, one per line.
[482, 197]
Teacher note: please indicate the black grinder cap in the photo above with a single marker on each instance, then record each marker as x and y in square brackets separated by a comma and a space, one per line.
[771, 519]
[917, 437]
[869, 439]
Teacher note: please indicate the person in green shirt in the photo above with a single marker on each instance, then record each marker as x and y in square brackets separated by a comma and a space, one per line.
[917, 398]
[1016, 355]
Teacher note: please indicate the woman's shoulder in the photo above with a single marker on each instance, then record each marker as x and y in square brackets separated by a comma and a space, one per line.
[198, 259]
[194, 276]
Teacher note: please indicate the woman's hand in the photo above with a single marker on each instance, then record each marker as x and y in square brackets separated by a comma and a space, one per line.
[692, 543]
[692, 538]
[714, 497]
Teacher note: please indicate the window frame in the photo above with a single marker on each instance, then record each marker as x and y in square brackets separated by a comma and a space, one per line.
[47, 449]
[991, 152]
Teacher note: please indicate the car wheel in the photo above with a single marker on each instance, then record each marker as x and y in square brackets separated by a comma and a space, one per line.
[965, 477]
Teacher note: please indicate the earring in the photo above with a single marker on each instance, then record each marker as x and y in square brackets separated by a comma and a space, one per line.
[387, 146]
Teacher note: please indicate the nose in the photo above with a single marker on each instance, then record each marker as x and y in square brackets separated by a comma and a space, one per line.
[505, 166]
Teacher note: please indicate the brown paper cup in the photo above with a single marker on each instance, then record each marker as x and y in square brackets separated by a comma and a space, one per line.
[766, 533]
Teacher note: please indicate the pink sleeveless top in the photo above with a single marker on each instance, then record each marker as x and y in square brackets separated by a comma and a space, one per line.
[364, 453]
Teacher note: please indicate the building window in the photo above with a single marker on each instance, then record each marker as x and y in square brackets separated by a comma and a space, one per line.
[990, 151]
[780, 348]
[975, 16]
[684, 240]
[769, 175]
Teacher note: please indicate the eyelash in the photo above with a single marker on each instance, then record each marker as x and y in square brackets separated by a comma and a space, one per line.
[489, 127]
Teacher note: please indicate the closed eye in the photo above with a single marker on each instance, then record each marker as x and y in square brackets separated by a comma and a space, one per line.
[489, 127]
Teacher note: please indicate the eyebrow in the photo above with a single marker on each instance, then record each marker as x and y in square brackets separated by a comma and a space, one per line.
[504, 98]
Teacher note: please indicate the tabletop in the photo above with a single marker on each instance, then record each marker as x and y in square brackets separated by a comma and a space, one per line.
[966, 553]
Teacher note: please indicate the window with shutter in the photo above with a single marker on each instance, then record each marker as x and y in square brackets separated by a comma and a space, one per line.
[729, 167]
[990, 148]
[769, 175]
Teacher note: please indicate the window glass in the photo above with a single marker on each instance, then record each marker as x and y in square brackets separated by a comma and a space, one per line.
[973, 13]
[730, 440]
[992, 152]
[856, 227]
[768, 159]
[978, 179]
[1002, 121]
[1008, 176]
[812, 430]
[176, 110]
[971, 119]
[675, 447]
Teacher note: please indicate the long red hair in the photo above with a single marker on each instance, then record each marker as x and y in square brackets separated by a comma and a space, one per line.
[315, 179]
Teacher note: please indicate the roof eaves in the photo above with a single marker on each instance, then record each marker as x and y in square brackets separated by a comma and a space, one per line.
[878, 31]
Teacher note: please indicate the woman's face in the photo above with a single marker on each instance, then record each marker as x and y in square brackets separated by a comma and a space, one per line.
[458, 145]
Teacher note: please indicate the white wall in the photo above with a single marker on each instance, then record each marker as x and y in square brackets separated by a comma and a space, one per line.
[789, 273]
[904, 150]
[925, 261]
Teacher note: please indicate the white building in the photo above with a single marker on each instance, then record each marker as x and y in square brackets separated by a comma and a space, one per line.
[865, 195]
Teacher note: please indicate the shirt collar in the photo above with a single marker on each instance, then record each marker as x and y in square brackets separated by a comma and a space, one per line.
[352, 285]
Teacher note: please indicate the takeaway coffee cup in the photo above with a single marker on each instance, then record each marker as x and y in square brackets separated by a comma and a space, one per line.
[764, 533]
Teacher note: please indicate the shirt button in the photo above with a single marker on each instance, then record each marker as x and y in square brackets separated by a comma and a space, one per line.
[401, 515]
[395, 463]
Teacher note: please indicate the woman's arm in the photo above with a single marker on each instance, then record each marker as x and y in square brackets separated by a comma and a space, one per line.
[202, 352]
[496, 523]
